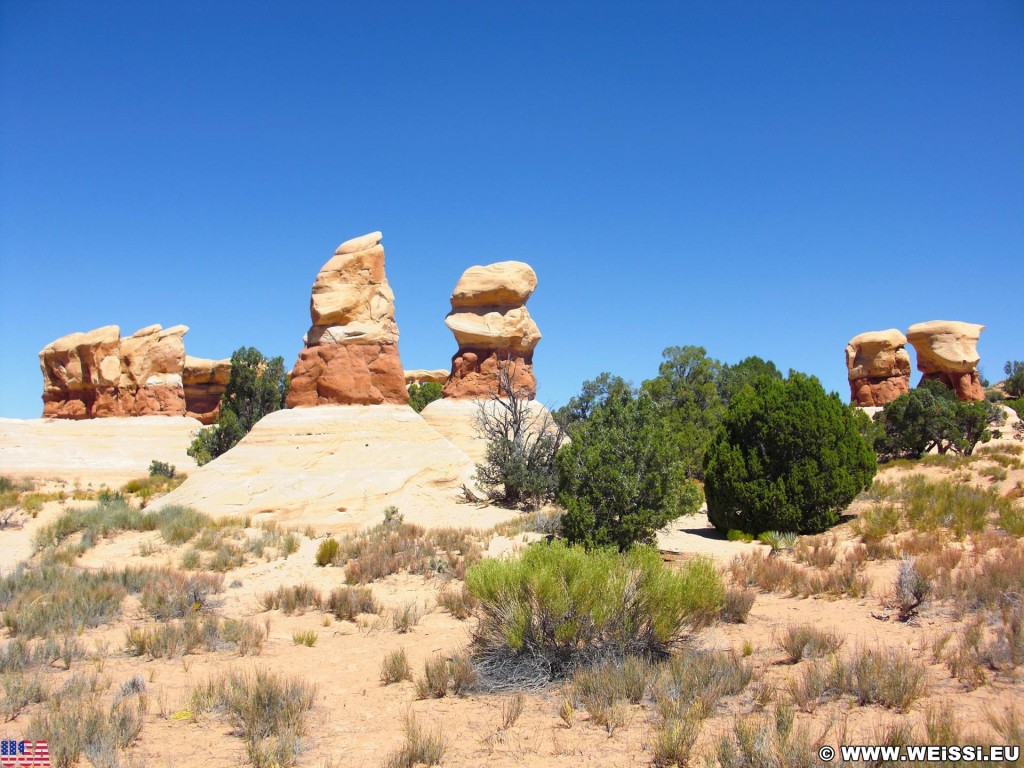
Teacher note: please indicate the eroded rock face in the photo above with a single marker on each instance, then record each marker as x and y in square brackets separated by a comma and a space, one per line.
[492, 328]
[205, 381]
[947, 350]
[99, 374]
[421, 376]
[878, 367]
[351, 353]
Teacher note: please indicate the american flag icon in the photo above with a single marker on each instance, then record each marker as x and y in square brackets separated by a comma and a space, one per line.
[16, 754]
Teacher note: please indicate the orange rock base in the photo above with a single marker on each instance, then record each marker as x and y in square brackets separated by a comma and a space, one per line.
[475, 373]
[348, 374]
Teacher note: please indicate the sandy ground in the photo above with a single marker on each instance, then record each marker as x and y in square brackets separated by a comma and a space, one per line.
[357, 721]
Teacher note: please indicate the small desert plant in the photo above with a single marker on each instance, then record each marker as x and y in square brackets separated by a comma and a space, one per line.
[698, 678]
[268, 710]
[406, 617]
[737, 604]
[770, 739]
[911, 589]
[348, 602]
[326, 552]
[675, 738]
[422, 747]
[306, 637]
[294, 599]
[511, 709]
[458, 602]
[173, 594]
[808, 642]
[817, 551]
[462, 673]
[395, 667]
[777, 541]
[734, 534]
[436, 676]
[888, 677]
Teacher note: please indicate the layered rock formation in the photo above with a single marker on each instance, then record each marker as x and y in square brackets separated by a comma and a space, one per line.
[205, 381]
[338, 467]
[878, 367]
[420, 376]
[493, 328]
[947, 350]
[351, 353]
[99, 374]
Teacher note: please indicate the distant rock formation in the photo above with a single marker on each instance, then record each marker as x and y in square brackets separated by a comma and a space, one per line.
[878, 367]
[351, 353]
[205, 381]
[99, 374]
[420, 376]
[492, 327]
[947, 350]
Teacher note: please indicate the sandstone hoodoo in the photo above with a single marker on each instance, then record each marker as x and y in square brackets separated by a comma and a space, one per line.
[205, 381]
[947, 350]
[878, 367]
[99, 374]
[351, 353]
[492, 327]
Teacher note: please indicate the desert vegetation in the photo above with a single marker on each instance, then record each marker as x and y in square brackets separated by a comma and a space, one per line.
[257, 386]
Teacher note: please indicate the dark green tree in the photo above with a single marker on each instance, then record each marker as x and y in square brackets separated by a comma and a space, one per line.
[913, 424]
[931, 418]
[620, 477]
[1014, 383]
[687, 390]
[593, 393]
[256, 386]
[787, 457]
[421, 395]
[734, 377]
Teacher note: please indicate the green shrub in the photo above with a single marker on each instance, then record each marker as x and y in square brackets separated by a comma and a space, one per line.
[326, 552]
[621, 477]
[787, 457]
[422, 395]
[161, 469]
[557, 607]
[256, 386]
[930, 417]
[1014, 383]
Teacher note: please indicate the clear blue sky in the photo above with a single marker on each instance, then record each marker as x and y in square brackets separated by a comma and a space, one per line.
[757, 178]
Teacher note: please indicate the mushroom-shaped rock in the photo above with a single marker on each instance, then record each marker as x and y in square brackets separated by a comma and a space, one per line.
[493, 329]
[351, 352]
[878, 367]
[947, 350]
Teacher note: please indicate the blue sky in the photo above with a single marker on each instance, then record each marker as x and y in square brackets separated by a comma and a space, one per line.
[757, 178]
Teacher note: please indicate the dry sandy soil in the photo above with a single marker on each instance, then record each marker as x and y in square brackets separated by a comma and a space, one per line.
[357, 721]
